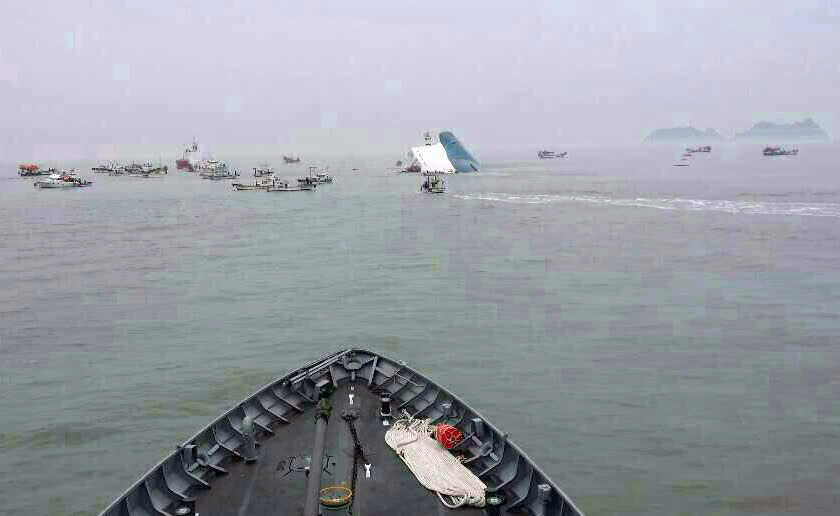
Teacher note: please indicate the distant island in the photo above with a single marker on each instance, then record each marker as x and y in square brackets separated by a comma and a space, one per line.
[683, 135]
[796, 131]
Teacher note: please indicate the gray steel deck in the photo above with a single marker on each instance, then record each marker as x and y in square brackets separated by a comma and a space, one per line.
[209, 467]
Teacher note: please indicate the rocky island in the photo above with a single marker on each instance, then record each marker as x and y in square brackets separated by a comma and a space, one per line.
[797, 131]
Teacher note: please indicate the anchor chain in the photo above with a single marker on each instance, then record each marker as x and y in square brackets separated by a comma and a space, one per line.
[358, 452]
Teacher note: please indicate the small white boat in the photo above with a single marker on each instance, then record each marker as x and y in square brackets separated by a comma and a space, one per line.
[65, 179]
[111, 167]
[259, 184]
[316, 177]
[547, 154]
[147, 169]
[241, 187]
[684, 160]
[216, 170]
[263, 171]
[433, 184]
[779, 151]
[285, 187]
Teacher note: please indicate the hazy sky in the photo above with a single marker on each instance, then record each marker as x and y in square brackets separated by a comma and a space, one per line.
[79, 77]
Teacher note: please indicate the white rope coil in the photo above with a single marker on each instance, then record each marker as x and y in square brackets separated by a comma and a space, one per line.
[432, 465]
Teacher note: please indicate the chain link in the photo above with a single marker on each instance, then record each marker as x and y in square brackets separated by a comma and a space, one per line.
[358, 451]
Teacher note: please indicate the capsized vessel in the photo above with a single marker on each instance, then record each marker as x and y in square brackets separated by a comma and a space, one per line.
[446, 156]
[322, 431]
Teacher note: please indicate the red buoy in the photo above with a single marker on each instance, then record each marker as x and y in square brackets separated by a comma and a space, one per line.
[447, 435]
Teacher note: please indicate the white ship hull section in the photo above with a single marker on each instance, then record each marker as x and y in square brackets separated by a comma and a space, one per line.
[433, 158]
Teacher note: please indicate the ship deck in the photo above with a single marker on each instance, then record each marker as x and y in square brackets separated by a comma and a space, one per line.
[210, 470]
[275, 484]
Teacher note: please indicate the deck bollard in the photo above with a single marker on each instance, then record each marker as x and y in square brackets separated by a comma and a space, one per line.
[186, 509]
[249, 448]
[544, 491]
[494, 503]
[385, 409]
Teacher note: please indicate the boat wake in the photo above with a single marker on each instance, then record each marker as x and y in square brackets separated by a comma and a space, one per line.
[807, 209]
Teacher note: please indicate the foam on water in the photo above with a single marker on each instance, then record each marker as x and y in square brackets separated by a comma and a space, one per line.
[809, 209]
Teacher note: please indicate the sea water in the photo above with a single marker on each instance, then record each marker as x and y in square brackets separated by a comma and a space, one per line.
[659, 339]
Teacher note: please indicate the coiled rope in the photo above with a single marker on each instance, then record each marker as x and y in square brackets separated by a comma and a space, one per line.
[432, 465]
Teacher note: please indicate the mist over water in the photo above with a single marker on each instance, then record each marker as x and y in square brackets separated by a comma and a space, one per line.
[659, 339]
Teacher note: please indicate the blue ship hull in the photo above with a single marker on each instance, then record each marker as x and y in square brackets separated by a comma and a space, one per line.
[461, 159]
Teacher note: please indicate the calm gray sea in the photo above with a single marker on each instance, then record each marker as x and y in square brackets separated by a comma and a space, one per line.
[662, 340]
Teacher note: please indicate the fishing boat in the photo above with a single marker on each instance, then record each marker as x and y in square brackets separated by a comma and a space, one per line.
[216, 171]
[414, 168]
[285, 187]
[31, 169]
[146, 169]
[263, 171]
[110, 167]
[244, 187]
[684, 160]
[433, 184]
[780, 151]
[63, 179]
[356, 433]
[547, 154]
[699, 148]
[291, 159]
[317, 177]
[261, 182]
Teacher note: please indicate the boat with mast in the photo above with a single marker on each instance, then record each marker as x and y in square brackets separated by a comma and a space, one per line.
[147, 169]
[108, 167]
[190, 159]
[433, 183]
[261, 182]
[284, 186]
[216, 170]
[63, 179]
[263, 171]
[31, 169]
[315, 176]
